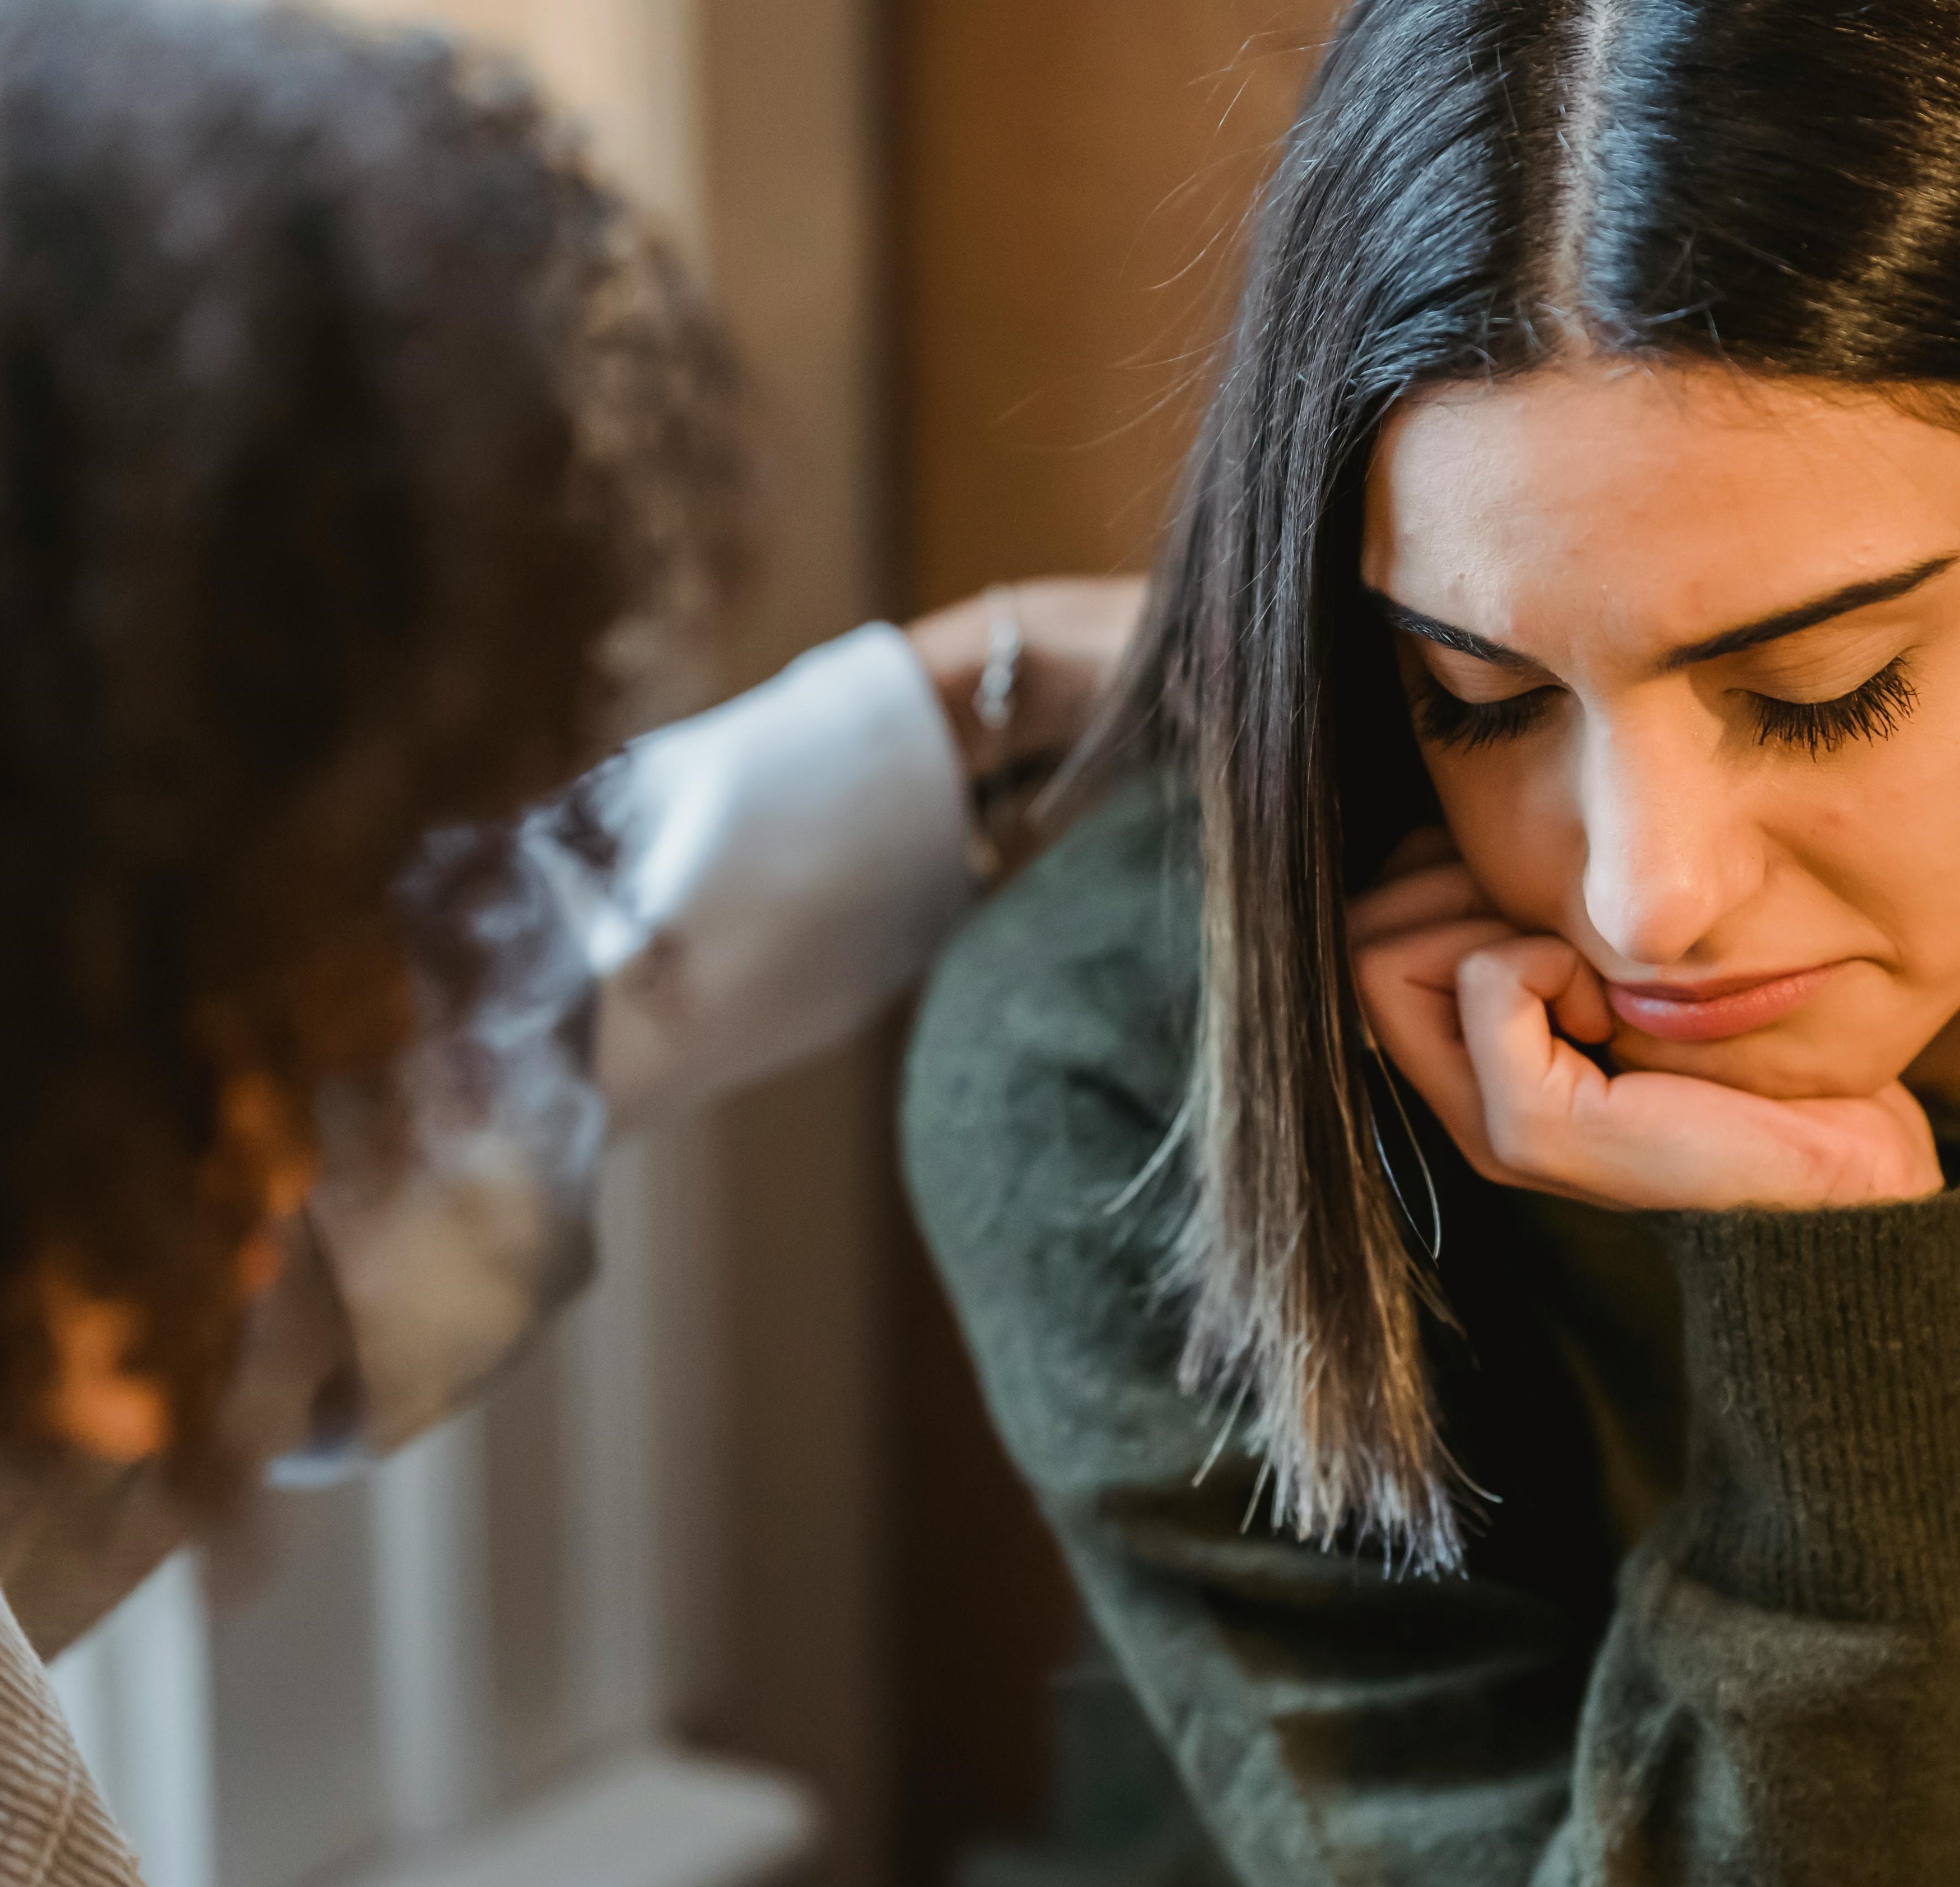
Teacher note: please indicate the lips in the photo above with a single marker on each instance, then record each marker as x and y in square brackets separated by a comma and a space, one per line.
[1714, 1010]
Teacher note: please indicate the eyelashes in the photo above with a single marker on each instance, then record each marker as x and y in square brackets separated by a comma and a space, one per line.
[1451, 721]
[1871, 712]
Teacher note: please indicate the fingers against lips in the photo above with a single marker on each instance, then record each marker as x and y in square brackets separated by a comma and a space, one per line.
[1475, 1017]
[1553, 1120]
[1463, 1006]
[1531, 1083]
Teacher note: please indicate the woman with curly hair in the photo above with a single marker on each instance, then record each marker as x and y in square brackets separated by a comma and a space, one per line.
[350, 438]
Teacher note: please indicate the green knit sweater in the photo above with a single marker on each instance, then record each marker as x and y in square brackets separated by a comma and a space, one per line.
[1707, 1635]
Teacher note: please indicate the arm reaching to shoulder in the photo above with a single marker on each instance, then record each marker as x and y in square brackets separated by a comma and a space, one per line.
[745, 887]
[788, 862]
[1073, 631]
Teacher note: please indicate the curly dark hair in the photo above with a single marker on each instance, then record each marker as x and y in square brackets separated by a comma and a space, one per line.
[341, 416]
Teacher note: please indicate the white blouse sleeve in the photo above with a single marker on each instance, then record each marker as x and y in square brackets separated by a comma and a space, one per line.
[723, 896]
[786, 863]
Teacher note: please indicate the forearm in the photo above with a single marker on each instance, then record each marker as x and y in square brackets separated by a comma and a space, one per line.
[725, 895]
[788, 862]
[784, 865]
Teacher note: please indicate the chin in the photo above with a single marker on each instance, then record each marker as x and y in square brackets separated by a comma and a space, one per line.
[1781, 1064]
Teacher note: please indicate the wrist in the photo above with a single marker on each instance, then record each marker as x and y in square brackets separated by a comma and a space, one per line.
[951, 647]
[1018, 670]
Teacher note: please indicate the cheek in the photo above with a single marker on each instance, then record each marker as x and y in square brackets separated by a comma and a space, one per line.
[1884, 839]
[1516, 833]
[1882, 825]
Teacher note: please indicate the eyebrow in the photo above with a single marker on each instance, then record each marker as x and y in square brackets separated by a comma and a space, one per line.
[1398, 616]
[1747, 636]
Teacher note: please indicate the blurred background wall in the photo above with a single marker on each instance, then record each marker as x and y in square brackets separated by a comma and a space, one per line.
[975, 253]
[1068, 183]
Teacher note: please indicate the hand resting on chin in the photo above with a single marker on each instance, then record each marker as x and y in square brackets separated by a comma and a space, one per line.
[1481, 1021]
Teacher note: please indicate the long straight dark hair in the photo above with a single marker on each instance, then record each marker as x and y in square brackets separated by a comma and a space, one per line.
[1473, 188]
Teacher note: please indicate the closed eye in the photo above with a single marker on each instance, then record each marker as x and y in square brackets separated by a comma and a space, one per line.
[1871, 712]
[1450, 721]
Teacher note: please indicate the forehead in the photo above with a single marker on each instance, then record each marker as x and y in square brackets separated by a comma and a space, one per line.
[1658, 504]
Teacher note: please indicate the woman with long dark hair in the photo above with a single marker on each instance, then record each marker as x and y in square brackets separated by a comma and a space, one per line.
[1442, 1172]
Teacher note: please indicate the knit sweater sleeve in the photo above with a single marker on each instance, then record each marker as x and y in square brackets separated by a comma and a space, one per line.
[1779, 1697]
[1774, 1699]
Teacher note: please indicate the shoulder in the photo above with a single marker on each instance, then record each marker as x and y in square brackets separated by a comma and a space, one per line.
[1042, 1092]
[1082, 975]
[1086, 964]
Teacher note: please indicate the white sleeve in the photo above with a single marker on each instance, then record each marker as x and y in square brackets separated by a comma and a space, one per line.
[741, 889]
[787, 863]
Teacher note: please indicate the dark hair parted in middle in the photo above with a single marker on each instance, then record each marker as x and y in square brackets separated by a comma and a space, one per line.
[1475, 188]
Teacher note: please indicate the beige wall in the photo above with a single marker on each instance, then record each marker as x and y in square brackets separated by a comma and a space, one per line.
[1070, 182]
[629, 69]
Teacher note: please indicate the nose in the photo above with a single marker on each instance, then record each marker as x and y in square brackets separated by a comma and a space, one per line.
[1669, 849]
